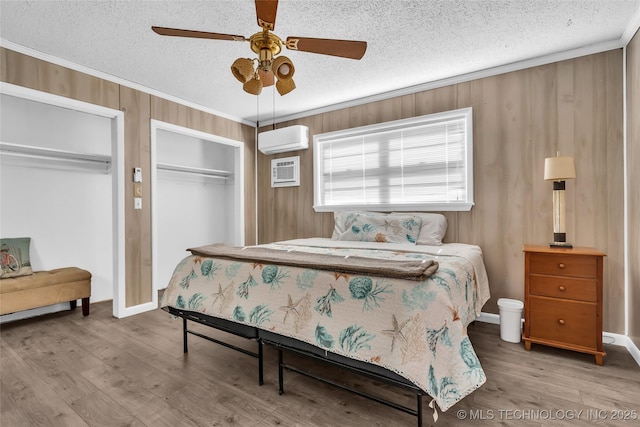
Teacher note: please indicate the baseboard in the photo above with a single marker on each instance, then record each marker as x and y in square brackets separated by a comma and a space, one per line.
[633, 350]
[607, 337]
[26, 314]
[624, 341]
[614, 339]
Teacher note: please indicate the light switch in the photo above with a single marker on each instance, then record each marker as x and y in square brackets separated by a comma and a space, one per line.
[137, 174]
[137, 202]
[137, 190]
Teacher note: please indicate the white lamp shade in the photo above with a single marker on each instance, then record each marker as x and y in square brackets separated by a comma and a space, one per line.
[559, 168]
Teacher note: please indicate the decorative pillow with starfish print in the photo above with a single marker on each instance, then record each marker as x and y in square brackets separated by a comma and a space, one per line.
[367, 227]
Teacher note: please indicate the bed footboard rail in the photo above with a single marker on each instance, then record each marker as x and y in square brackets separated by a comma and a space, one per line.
[225, 326]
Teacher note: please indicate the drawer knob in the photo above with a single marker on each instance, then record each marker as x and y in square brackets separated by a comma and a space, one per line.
[561, 265]
[560, 321]
[562, 288]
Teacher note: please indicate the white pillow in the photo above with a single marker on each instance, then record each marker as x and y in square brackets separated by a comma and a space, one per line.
[434, 227]
[343, 220]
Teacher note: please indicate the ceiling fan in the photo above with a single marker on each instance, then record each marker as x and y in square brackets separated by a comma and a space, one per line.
[267, 45]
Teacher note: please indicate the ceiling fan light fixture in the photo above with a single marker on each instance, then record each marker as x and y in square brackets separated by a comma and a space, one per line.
[268, 67]
[283, 68]
[285, 86]
[265, 59]
[253, 86]
[266, 77]
[242, 69]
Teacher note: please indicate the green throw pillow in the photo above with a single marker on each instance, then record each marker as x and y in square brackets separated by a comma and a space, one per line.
[14, 257]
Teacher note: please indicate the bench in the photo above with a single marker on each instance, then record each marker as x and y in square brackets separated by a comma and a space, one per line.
[44, 288]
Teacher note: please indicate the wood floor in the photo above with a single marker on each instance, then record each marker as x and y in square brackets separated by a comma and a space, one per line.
[64, 369]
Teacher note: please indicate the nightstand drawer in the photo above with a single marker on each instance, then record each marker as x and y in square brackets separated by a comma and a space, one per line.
[564, 287]
[563, 321]
[564, 265]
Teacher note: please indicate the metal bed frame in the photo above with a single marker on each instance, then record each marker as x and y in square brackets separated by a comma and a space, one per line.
[238, 329]
[281, 342]
[369, 370]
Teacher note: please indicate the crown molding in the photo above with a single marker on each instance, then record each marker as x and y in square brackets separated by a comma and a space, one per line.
[632, 28]
[105, 76]
[488, 72]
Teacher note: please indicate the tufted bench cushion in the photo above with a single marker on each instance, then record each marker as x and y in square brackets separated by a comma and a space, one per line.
[44, 288]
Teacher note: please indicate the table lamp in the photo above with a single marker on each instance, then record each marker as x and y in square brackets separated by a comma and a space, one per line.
[558, 169]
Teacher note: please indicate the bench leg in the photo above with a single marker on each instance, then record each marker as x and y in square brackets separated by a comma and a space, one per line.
[73, 304]
[85, 306]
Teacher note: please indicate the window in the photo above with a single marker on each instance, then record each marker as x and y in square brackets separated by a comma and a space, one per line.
[422, 163]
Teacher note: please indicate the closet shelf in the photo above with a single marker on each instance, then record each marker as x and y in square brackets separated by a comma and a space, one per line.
[212, 173]
[21, 150]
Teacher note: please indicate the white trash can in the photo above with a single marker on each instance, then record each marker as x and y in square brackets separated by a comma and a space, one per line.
[510, 319]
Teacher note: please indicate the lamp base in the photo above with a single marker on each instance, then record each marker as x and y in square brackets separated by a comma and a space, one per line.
[560, 245]
[560, 241]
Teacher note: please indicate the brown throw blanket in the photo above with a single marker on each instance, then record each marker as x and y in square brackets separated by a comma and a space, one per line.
[411, 270]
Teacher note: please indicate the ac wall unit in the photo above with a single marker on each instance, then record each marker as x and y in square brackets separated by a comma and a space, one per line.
[285, 172]
[281, 140]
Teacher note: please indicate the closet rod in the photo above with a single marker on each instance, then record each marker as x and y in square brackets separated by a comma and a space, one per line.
[30, 151]
[209, 173]
[194, 174]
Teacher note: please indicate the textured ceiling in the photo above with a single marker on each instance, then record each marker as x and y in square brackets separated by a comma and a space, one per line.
[409, 43]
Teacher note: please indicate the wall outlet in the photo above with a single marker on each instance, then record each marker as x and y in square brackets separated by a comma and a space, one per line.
[137, 202]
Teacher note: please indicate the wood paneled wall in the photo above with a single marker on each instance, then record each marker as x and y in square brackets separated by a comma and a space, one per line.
[137, 149]
[138, 108]
[633, 183]
[519, 118]
[23, 70]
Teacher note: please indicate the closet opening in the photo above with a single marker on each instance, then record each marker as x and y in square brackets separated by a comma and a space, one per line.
[61, 186]
[197, 194]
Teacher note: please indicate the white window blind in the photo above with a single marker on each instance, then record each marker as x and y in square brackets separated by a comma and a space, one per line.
[420, 163]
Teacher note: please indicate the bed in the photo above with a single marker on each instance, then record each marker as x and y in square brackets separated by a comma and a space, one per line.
[393, 310]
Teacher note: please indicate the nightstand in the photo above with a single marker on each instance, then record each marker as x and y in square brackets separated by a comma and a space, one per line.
[563, 299]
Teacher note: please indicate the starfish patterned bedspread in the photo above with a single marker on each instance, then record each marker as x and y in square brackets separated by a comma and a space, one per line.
[417, 329]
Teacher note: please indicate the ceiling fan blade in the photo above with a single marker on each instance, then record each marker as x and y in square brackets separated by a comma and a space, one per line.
[343, 48]
[266, 77]
[163, 31]
[266, 13]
